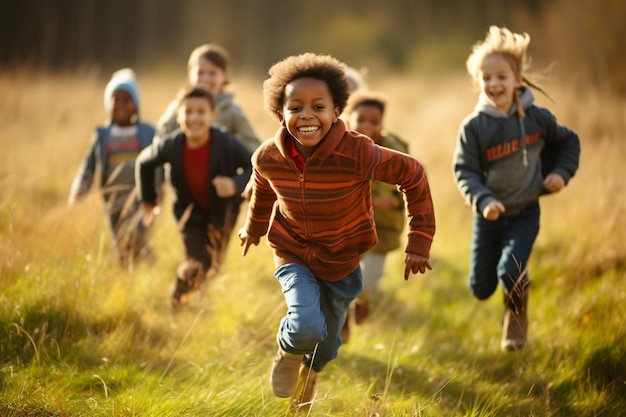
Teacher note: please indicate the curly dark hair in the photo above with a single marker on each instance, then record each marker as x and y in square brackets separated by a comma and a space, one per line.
[321, 67]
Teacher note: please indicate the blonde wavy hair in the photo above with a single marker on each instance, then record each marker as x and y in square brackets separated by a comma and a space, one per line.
[509, 45]
[501, 41]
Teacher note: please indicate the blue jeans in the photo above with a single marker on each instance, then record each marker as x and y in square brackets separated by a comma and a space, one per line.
[316, 310]
[500, 251]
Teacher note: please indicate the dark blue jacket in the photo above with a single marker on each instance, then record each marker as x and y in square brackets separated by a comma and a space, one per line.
[505, 157]
[96, 157]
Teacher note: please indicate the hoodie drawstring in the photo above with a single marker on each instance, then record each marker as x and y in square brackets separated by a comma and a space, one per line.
[521, 116]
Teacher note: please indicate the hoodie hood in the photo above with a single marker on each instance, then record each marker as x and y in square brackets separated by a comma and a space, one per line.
[484, 106]
[121, 80]
[224, 100]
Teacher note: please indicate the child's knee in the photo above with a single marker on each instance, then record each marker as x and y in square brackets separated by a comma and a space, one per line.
[307, 335]
[482, 292]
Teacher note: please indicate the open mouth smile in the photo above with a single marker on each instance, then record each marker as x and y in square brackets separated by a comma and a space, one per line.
[308, 129]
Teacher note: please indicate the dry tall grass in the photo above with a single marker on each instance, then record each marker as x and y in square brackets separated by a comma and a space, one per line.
[47, 124]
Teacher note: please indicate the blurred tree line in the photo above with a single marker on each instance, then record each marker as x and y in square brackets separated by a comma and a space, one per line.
[586, 40]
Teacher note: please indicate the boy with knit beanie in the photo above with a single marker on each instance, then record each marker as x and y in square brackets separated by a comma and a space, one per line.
[113, 151]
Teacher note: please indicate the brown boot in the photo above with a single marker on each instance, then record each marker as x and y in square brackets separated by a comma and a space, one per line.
[302, 399]
[284, 375]
[181, 295]
[189, 276]
[515, 323]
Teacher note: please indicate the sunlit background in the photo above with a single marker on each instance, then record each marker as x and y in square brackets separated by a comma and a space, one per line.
[583, 41]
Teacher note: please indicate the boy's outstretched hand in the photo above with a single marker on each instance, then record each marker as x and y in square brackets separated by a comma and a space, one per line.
[247, 240]
[414, 264]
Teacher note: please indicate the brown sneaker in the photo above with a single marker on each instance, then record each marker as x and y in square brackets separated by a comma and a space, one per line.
[284, 375]
[302, 399]
[189, 276]
[515, 323]
[180, 297]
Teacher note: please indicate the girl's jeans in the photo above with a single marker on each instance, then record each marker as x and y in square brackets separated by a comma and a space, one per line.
[316, 310]
[500, 251]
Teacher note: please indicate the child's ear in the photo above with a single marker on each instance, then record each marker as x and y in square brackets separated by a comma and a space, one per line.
[281, 119]
[337, 114]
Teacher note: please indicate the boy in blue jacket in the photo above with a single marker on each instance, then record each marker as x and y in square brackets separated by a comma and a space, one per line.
[113, 152]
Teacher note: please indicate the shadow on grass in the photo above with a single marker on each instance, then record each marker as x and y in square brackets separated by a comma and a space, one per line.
[42, 333]
[601, 377]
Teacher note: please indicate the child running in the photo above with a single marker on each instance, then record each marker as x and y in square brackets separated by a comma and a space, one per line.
[208, 67]
[311, 195]
[509, 152]
[365, 115]
[209, 169]
[113, 151]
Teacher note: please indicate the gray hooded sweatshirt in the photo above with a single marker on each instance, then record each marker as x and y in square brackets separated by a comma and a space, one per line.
[230, 116]
[492, 161]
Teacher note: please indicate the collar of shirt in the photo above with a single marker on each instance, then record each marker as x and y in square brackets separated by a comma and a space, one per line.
[296, 156]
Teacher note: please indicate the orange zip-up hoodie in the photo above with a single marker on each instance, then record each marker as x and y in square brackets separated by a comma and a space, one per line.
[322, 218]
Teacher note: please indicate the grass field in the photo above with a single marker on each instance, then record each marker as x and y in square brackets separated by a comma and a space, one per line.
[81, 337]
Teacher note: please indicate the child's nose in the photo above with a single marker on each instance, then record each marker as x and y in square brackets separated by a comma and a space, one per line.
[306, 113]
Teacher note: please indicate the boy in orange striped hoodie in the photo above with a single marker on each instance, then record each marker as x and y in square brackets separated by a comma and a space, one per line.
[311, 195]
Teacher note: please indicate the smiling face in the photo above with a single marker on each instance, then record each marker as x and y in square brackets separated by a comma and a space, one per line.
[498, 81]
[206, 74]
[195, 116]
[308, 112]
[123, 108]
[368, 120]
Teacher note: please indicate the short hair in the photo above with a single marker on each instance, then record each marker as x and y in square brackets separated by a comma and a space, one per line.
[212, 52]
[321, 67]
[366, 99]
[195, 92]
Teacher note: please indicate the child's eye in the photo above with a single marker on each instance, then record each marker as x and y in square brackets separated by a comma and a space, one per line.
[294, 108]
[319, 107]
